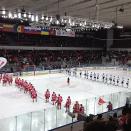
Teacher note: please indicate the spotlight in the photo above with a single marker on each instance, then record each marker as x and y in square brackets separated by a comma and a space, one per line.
[68, 29]
[36, 18]
[46, 18]
[15, 15]
[85, 23]
[10, 15]
[62, 20]
[80, 24]
[29, 15]
[32, 18]
[42, 17]
[51, 19]
[19, 15]
[57, 22]
[73, 23]
[24, 14]
[3, 12]
[120, 27]
[69, 21]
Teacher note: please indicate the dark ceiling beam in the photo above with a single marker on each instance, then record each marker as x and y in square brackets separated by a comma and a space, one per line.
[100, 4]
[84, 2]
[107, 11]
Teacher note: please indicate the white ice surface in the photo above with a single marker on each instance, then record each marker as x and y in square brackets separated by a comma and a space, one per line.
[14, 102]
[79, 88]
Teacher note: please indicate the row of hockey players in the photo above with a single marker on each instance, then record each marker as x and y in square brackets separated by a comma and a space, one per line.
[27, 87]
[106, 78]
[6, 79]
[57, 100]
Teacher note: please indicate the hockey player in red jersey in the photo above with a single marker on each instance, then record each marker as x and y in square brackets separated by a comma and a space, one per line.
[10, 79]
[21, 84]
[53, 98]
[4, 80]
[30, 87]
[26, 87]
[47, 95]
[34, 96]
[76, 107]
[67, 104]
[16, 81]
[81, 109]
[0, 77]
[59, 101]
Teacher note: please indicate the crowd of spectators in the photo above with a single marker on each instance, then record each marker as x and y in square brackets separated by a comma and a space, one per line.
[112, 123]
[49, 59]
[122, 57]
[23, 39]
[53, 59]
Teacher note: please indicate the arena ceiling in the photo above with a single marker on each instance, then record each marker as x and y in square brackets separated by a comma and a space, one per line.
[107, 10]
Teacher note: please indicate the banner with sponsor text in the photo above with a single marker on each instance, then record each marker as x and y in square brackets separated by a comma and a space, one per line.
[35, 30]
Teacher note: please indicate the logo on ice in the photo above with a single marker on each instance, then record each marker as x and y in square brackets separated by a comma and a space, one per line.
[3, 62]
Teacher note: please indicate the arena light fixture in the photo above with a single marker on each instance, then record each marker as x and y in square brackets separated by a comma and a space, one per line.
[15, 15]
[51, 19]
[46, 18]
[9, 15]
[19, 15]
[24, 15]
[32, 18]
[3, 12]
[36, 18]
[42, 17]
[62, 20]
[29, 16]
[58, 22]
[120, 27]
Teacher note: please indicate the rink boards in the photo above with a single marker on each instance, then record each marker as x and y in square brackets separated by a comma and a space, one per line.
[44, 72]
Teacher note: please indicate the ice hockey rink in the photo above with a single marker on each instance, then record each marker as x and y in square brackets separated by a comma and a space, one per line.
[19, 113]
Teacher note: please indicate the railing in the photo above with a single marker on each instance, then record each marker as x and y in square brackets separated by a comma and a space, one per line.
[79, 125]
[50, 118]
[47, 48]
